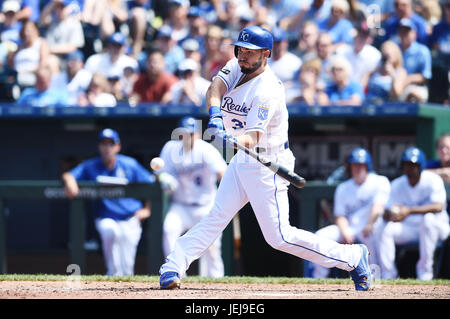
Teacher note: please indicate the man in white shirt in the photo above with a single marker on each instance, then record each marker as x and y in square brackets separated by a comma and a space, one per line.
[191, 89]
[363, 56]
[78, 78]
[416, 211]
[284, 64]
[64, 31]
[113, 60]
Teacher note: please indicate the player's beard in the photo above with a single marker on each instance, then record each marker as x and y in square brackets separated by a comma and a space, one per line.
[253, 68]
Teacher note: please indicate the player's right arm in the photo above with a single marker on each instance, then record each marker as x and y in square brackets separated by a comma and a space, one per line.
[222, 82]
[70, 185]
[213, 100]
[214, 94]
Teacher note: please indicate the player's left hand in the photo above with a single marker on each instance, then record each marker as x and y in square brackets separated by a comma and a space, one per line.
[142, 213]
[399, 214]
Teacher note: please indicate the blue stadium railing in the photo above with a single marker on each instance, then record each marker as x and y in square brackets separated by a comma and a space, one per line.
[156, 110]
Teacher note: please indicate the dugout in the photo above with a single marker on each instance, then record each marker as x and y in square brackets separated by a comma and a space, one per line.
[39, 143]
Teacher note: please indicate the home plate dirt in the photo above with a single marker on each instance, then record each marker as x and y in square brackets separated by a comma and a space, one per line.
[150, 290]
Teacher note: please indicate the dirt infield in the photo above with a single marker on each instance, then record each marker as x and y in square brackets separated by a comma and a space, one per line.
[150, 290]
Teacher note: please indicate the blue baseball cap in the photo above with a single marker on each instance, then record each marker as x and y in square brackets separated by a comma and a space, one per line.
[279, 35]
[67, 2]
[189, 124]
[111, 134]
[185, 3]
[165, 31]
[117, 38]
[194, 12]
[407, 23]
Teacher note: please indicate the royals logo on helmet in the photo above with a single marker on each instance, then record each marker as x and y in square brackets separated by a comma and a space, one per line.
[244, 36]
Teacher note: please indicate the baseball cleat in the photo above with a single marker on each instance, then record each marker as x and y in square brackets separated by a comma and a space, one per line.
[169, 280]
[362, 275]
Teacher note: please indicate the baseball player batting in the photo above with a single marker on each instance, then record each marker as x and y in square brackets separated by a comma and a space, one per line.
[246, 102]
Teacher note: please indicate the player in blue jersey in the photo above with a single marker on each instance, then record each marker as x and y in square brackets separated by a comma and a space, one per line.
[118, 221]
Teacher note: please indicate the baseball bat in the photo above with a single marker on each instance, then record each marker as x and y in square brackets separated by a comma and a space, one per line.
[278, 169]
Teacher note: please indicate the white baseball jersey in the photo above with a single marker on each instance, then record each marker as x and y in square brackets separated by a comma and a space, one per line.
[430, 189]
[257, 105]
[355, 201]
[427, 229]
[196, 171]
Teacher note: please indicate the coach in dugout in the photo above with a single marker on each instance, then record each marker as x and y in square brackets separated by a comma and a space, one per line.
[118, 221]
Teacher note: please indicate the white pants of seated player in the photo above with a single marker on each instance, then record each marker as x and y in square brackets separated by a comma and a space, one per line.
[428, 231]
[267, 193]
[333, 232]
[120, 240]
[180, 218]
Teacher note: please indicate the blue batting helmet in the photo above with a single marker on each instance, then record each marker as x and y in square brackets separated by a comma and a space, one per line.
[415, 155]
[362, 156]
[254, 38]
[189, 124]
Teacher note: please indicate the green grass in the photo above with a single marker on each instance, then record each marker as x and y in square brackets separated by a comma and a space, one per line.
[227, 279]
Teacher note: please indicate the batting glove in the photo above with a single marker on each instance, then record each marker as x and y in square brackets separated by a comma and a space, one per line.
[215, 119]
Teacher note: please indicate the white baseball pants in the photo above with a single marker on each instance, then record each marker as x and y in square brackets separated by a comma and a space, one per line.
[120, 239]
[427, 232]
[333, 232]
[180, 218]
[246, 180]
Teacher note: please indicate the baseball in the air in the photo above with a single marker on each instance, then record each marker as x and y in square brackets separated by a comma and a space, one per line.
[157, 163]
